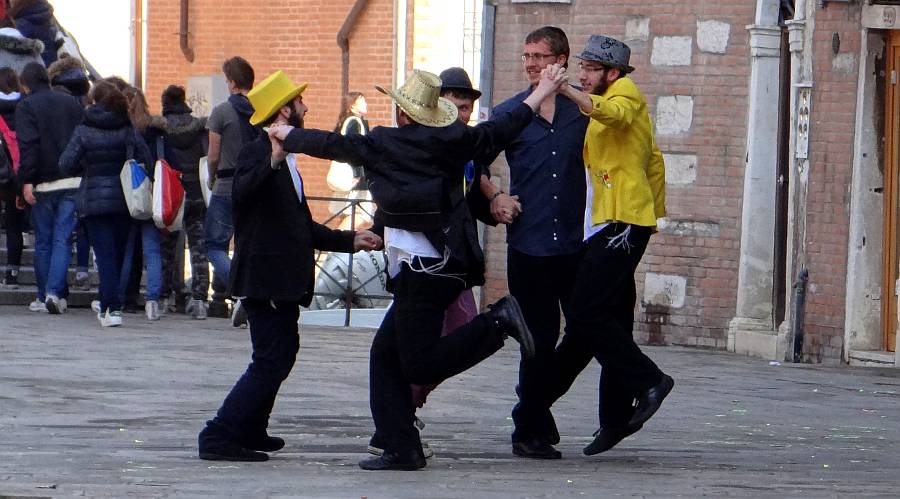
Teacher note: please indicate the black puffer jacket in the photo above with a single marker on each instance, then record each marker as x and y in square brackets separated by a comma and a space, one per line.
[45, 121]
[186, 142]
[97, 152]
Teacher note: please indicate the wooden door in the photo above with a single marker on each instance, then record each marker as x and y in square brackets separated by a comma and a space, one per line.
[891, 272]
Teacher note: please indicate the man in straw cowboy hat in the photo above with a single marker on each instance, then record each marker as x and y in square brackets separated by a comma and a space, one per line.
[625, 196]
[433, 253]
[272, 272]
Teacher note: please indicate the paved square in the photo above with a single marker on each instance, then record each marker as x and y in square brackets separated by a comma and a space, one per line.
[87, 411]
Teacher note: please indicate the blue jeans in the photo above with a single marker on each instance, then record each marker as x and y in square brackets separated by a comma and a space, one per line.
[219, 228]
[53, 219]
[150, 245]
[109, 235]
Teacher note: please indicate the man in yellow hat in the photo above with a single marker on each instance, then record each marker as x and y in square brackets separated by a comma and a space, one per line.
[272, 272]
[414, 174]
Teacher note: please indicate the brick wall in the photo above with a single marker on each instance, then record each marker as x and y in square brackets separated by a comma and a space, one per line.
[297, 36]
[836, 78]
[700, 252]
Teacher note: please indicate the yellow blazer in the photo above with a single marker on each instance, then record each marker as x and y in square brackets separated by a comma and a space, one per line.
[625, 167]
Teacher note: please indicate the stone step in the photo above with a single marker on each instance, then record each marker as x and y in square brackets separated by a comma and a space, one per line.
[27, 277]
[26, 294]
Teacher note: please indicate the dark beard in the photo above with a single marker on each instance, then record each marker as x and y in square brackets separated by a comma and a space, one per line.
[600, 88]
[294, 119]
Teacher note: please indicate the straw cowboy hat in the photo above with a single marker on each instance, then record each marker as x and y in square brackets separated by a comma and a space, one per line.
[420, 98]
[272, 94]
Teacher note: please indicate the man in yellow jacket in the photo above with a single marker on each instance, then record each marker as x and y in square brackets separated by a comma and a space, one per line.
[625, 195]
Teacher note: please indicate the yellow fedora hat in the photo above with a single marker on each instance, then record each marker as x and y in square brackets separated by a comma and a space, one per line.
[272, 94]
[420, 98]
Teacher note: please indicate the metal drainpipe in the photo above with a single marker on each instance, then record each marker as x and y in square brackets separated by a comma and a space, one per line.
[183, 33]
[343, 41]
[799, 315]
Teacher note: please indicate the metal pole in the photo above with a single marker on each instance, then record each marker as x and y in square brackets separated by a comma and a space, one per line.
[799, 313]
[348, 296]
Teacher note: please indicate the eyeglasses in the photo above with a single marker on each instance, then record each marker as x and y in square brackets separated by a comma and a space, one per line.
[536, 57]
[592, 68]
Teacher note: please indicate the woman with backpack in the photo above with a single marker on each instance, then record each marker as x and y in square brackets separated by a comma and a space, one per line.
[97, 151]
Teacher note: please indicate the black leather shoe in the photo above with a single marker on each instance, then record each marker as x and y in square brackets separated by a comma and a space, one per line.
[406, 461]
[215, 449]
[264, 443]
[607, 438]
[648, 402]
[535, 449]
[507, 316]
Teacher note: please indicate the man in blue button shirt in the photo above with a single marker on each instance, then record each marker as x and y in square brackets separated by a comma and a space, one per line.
[547, 189]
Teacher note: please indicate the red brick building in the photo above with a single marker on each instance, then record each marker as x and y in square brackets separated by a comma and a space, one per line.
[297, 36]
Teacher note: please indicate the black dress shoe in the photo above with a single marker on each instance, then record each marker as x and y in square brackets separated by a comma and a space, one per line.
[507, 316]
[214, 449]
[396, 461]
[607, 438]
[648, 402]
[264, 443]
[535, 449]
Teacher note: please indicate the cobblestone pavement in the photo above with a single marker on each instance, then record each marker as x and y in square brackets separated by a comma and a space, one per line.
[86, 411]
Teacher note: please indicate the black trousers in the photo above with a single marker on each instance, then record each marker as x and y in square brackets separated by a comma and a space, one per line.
[14, 224]
[274, 334]
[408, 348]
[601, 323]
[543, 286]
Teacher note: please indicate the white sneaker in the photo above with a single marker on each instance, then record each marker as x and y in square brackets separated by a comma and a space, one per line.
[56, 305]
[111, 319]
[152, 309]
[196, 309]
[37, 306]
[95, 306]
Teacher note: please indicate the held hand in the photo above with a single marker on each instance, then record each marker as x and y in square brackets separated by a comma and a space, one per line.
[278, 152]
[505, 208]
[28, 194]
[552, 77]
[366, 240]
[280, 130]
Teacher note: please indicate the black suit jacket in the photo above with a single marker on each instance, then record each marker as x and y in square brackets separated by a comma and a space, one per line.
[415, 175]
[274, 233]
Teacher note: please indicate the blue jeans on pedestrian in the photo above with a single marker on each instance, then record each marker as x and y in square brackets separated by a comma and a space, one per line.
[150, 246]
[219, 228]
[53, 219]
[109, 235]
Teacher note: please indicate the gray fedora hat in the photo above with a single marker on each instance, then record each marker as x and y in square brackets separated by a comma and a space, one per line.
[607, 51]
[457, 79]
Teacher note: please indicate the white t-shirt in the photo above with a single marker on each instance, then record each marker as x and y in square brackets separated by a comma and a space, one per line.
[589, 228]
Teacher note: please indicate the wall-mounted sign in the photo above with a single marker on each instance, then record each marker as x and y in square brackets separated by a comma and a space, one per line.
[804, 104]
[881, 14]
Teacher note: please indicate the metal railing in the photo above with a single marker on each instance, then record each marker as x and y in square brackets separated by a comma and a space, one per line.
[349, 207]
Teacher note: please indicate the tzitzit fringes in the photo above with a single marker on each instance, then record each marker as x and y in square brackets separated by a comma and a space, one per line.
[620, 240]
